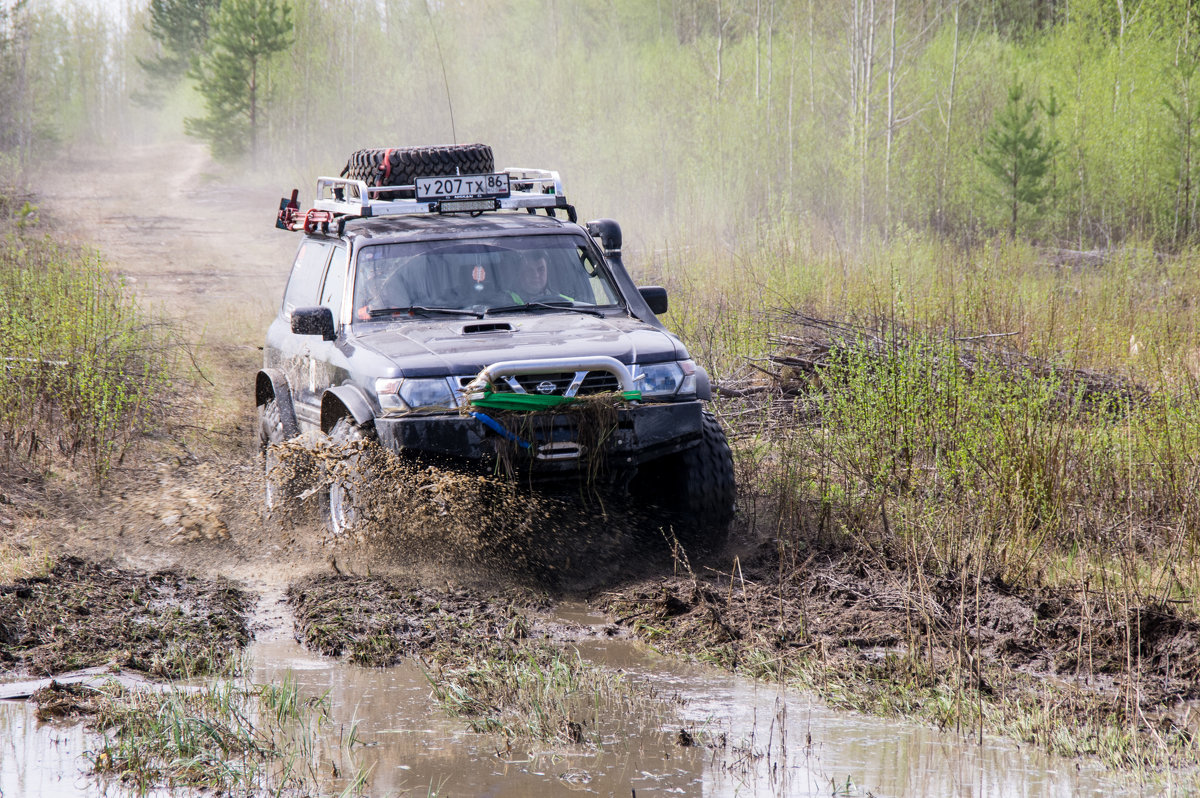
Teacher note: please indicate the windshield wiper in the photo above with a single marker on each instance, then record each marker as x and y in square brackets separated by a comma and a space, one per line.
[528, 307]
[379, 312]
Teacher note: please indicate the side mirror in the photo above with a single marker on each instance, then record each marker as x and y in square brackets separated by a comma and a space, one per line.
[314, 321]
[656, 298]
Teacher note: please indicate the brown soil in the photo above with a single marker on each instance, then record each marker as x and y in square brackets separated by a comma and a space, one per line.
[902, 641]
[379, 621]
[85, 614]
[848, 608]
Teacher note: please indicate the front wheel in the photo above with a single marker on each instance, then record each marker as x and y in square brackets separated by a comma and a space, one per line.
[277, 488]
[343, 507]
[697, 486]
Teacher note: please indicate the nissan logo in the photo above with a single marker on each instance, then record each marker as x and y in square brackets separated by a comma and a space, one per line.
[545, 387]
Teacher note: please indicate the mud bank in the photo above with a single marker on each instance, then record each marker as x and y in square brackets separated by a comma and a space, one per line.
[85, 613]
[951, 650]
[381, 620]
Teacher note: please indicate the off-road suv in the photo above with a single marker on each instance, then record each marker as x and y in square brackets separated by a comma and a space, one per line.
[452, 313]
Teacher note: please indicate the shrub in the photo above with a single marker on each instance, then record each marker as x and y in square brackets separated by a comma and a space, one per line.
[83, 365]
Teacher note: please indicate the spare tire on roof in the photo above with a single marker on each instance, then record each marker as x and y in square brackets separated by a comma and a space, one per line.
[401, 166]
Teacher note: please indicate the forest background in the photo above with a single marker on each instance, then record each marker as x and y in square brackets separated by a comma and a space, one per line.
[731, 120]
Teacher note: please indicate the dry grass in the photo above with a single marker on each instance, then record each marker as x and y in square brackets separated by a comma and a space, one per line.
[23, 562]
[982, 417]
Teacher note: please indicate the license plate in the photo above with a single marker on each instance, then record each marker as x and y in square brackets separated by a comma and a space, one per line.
[462, 187]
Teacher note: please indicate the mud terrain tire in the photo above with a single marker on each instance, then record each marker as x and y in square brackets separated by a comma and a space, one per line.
[276, 488]
[402, 166]
[342, 508]
[698, 485]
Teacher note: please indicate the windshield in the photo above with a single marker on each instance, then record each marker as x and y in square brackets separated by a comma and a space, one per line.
[505, 273]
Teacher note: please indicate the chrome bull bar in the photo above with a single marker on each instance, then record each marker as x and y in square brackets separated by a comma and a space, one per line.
[509, 370]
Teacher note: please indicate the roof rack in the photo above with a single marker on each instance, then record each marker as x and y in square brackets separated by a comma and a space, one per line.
[529, 188]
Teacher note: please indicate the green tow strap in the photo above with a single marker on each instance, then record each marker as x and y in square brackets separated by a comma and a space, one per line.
[531, 402]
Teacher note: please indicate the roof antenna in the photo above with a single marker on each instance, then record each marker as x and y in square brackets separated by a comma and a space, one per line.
[445, 81]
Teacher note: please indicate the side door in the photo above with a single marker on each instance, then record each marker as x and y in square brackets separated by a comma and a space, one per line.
[327, 363]
[299, 355]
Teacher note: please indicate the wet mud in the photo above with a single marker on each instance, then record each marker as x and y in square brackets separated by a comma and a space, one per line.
[500, 661]
[191, 498]
[85, 613]
[872, 635]
[380, 621]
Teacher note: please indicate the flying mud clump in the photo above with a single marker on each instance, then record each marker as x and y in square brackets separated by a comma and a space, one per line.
[577, 536]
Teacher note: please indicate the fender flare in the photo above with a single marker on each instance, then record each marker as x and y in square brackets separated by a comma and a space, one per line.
[271, 384]
[336, 402]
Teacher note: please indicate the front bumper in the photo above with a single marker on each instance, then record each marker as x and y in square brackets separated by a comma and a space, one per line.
[548, 442]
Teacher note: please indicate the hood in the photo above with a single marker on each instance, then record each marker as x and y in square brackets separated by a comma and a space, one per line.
[448, 347]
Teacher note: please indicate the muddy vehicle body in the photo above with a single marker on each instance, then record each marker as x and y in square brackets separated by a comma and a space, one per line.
[467, 325]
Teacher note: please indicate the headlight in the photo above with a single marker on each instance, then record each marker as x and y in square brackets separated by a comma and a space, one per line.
[402, 395]
[660, 379]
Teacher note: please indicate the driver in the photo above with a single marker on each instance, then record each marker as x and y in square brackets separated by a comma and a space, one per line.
[533, 277]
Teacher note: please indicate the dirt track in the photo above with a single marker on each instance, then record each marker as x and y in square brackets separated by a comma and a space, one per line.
[205, 254]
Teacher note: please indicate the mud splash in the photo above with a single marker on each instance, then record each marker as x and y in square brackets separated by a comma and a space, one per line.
[575, 538]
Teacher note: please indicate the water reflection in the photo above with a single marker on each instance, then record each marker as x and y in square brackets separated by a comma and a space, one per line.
[751, 739]
[40, 759]
[413, 746]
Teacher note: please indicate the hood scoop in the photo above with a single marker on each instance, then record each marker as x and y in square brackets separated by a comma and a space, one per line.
[486, 327]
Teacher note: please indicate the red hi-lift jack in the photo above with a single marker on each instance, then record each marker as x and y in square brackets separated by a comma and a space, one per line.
[290, 217]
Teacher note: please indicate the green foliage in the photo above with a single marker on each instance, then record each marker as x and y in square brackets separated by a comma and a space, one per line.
[14, 103]
[82, 365]
[180, 29]
[245, 33]
[717, 122]
[1018, 155]
[1183, 141]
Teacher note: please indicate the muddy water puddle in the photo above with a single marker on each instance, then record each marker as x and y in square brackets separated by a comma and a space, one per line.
[746, 739]
[689, 731]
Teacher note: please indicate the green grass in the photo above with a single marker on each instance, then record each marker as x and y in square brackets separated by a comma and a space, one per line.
[904, 440]
[224, 737]
[1062, 451]
[82, 366]
[536, 690]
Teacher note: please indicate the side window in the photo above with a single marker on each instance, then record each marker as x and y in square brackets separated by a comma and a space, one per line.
[602, 290]
[306, 275]
[335, 282]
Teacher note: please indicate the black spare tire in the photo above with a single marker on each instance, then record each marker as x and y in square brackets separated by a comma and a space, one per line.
[401, 166]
